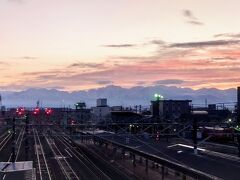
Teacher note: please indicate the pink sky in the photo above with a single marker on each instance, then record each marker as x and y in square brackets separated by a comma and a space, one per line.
[78, 44]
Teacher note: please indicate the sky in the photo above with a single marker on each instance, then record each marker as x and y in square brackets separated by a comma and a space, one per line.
[77, 44]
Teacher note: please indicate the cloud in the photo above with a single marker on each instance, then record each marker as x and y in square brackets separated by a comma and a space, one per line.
[21, 86]
[119, 45]
[187, 13]
[195, 23]
[152, 42]
[228, 35]
[191, 19]
[205, 43]
[224, 58]
[169, 81]
[182, 72]
[104, 82]
[47, 76]
[141, 83]
[3, 63]
[184, 64]
[86, 65]
[41, 73]
[158, 42]
[27, 57]
[133, 58]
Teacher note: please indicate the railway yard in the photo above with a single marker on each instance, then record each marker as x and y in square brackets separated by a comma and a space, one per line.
[54, 156]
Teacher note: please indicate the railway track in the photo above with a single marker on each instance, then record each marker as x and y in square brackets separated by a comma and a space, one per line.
[3, 135]
[19, 142]
[88, 165]
[4, 140]
[42, 165]
[66, 168]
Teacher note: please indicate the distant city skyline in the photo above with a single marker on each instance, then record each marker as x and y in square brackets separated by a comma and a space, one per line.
[76, 44]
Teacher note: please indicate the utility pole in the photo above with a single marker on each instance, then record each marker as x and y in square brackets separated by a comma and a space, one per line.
[196, 116]
[195, 135]
[13, 157]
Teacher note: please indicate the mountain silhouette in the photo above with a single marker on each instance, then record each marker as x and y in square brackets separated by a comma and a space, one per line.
[116, 95]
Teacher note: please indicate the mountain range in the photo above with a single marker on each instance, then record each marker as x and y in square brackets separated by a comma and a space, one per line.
[116, 95]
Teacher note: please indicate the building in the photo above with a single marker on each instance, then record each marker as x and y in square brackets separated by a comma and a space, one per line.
[212, 107]
[102, 111]
[117, 108]
[102, 102]
[170, 109]
[82, 116]
[125, 117]
[155, 108]
[80, 105]
[238, 105]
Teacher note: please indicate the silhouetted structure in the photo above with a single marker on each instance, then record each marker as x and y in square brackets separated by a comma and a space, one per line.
[155, 108]
[170, 109]
[238, 105]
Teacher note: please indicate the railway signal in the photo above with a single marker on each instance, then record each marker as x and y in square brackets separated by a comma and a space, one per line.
[158, 136]
[48, 111]
[36, 111]
[20, 111]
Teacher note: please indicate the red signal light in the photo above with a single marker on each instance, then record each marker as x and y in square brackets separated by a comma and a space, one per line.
[20, 111]
[36, 111]
[48, 111]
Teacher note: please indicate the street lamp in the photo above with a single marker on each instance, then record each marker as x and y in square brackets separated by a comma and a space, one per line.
[158, 96]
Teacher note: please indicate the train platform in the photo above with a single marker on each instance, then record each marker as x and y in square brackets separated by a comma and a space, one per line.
[18, 170]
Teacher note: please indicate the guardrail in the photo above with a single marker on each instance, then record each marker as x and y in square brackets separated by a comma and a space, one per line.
[185, 170]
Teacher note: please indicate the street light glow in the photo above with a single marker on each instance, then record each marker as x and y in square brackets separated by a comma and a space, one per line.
[158, 96]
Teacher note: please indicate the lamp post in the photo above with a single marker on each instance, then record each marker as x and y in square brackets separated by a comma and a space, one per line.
[158, 97]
